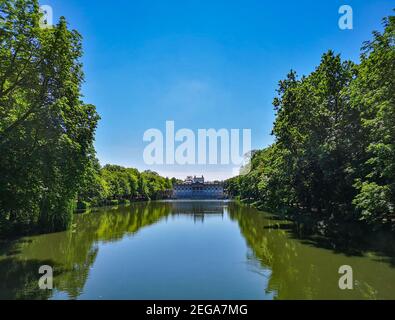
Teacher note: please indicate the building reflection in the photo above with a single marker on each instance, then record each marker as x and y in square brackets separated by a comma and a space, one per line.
[199, 211]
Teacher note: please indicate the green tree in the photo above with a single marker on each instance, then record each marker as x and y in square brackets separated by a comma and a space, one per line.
[373, 95]
[334, 152]
[46, 131]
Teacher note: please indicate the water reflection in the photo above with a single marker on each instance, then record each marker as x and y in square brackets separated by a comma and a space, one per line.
[280, 262]
[302, 269]
[71, 253]
[198, 210]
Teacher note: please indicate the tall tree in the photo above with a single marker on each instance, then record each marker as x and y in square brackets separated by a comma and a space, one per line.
[334, 152]
[46, 130]
[373, 94]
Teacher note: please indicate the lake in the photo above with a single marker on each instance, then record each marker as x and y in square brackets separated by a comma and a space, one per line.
[192, 250]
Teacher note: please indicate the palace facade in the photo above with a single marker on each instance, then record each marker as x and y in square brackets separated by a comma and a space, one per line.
[197, 188]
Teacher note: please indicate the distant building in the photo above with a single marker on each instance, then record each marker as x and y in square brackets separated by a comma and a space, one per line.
[197, 188]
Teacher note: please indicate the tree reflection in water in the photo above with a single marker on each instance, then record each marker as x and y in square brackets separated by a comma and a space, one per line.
[71, 253]
[302, 268]
[295, 262]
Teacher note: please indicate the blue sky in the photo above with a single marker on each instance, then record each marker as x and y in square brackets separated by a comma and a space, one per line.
[203, 64]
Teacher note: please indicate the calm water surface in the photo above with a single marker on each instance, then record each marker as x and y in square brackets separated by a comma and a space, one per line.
[190, 250]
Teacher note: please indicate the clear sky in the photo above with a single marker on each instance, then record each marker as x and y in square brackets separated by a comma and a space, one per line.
[201, 63]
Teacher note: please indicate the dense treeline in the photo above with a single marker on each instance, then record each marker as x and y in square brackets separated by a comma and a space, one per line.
[47, 159]
[334, 153]
[113, 185]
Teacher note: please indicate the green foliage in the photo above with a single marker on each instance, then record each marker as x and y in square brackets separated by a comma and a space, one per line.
[48, 166]
[113, 185]
[373, 94]
[114, 202]
[46, 131]
[83, 205]
[334, 152]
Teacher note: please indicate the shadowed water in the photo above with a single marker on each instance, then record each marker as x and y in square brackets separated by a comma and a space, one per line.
[192, 250]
